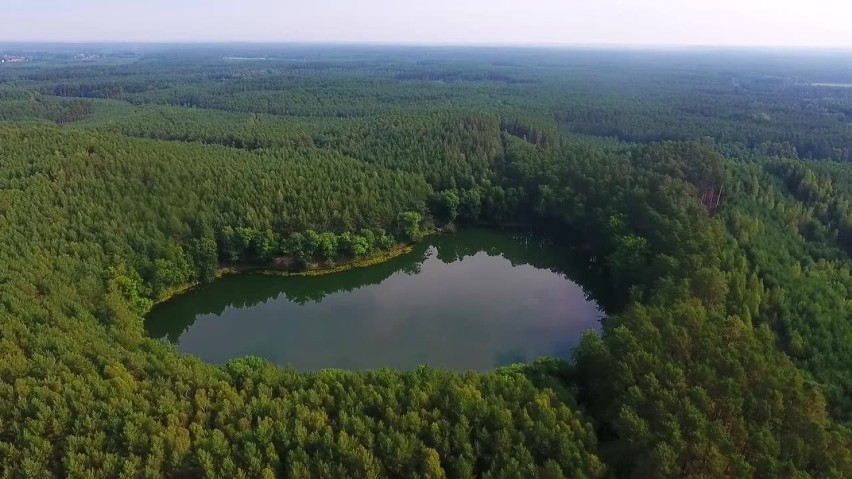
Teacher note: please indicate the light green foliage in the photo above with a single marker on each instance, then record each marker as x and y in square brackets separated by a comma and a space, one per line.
[409, 226]
[128, 284]
[327, 245]
[172, 269]
[353, 245]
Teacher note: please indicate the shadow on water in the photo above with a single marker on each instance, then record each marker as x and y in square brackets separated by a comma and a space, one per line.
[252, 289]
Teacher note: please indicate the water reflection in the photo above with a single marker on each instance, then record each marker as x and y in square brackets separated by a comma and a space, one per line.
[474, 300]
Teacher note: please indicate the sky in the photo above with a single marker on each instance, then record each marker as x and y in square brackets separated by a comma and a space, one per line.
[796, 23]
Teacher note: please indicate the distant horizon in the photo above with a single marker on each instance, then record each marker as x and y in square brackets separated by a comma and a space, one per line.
[566, 46]
[820, 24]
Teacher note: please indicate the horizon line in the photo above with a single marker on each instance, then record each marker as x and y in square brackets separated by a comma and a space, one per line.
[450, 44]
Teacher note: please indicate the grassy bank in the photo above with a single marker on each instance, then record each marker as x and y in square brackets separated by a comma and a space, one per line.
[318, 269]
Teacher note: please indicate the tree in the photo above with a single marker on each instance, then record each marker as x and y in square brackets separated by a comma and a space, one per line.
[470, 205]
[129, 285]
[409, 226]
[353, 245]
[204, 257]
[327, 245]
[445, 205]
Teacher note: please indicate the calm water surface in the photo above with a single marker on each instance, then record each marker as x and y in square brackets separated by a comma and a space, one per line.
[475, 300]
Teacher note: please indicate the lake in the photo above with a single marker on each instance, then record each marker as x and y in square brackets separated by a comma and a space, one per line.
[475, 300]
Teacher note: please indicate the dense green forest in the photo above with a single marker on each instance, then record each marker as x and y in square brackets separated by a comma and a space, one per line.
[708, 192]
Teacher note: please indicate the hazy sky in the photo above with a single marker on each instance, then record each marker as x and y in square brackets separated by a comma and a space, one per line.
[826, 23]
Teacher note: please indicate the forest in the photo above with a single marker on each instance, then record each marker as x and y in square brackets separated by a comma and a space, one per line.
[708, 193]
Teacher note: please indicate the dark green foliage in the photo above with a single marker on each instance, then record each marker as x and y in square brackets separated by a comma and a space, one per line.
[445, 206]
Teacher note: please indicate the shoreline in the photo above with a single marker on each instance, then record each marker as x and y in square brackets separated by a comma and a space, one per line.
[271, 270]
[316, 269]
